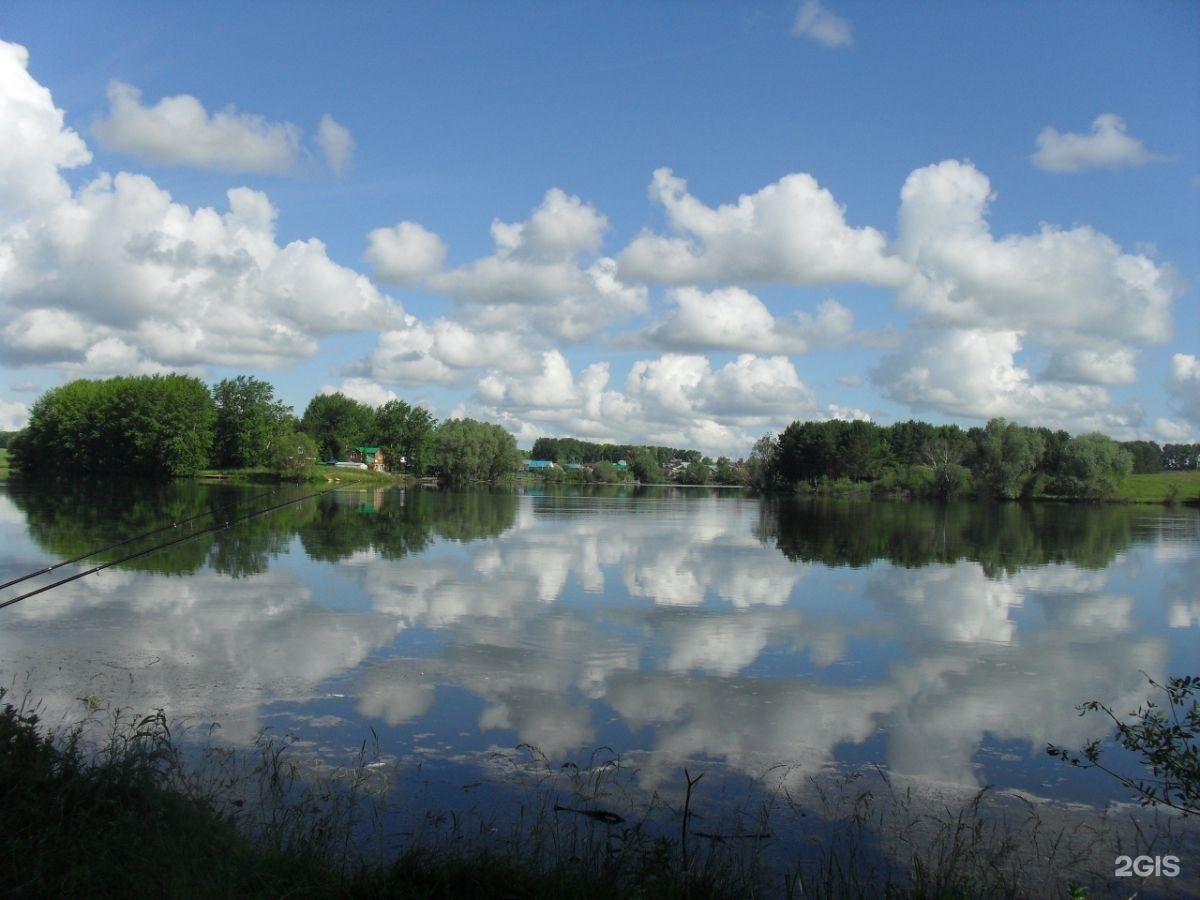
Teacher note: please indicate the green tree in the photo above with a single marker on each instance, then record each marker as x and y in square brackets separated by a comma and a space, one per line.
[807, 452]
[862, 453]
[909, 440]
[158, 425]
[645, 468]
[762, 465]
[1180, 457]
[605, 472]
[696, 472]
[291, 452]
[1092, 467]
[468, 450]
[405, 431]
[726, 473]
[1147, 456]
[1007, 456]
[249, 419]
[944, 460]
[338, 424]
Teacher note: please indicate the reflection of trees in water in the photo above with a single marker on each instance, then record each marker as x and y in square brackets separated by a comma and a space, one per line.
[470, 515]
[395, 523]
[69, 520]
[1001, 537]
[76, 520]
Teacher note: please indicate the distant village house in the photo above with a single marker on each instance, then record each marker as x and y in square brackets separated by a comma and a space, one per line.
[371, 457]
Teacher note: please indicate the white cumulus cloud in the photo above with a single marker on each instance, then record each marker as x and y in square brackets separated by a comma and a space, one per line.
[1108, 146]
[791, 231]
[34, 142]
[822, 25]
[118, 276]
[405, 253]
[1055, 282]
[1103, 363]
[441, 352]
[364, 390]
[180, 131]
[336, 144]
[542, 262]
[973, 372]
[734, 319]
[675, 399]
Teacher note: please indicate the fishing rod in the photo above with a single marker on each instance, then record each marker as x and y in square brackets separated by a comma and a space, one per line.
[148, 550]
[138, 537]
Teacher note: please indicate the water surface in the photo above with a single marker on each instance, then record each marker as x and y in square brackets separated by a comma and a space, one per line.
[948, 644]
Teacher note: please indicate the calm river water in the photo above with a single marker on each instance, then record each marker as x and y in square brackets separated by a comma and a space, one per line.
[948, 644]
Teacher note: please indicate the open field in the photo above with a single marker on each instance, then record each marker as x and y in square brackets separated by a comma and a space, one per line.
[1161, 487]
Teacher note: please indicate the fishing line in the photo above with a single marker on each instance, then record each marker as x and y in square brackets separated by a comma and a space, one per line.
[145, 534]
[147, 551]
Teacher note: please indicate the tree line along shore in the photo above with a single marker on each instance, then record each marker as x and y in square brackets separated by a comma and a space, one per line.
[166, 426]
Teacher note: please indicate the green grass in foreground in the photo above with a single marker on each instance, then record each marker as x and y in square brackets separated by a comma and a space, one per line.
[1161, 487]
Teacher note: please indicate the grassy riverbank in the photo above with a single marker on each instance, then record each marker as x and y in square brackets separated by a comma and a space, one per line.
[1161, 487]
[310, 475]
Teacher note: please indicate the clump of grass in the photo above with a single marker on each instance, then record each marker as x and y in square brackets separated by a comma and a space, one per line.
[876, 840]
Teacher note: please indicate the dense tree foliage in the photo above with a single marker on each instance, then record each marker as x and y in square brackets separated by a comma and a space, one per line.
[405, 432]
[338, 424]
[696, 472]
[1091, 467]
[157, 425]
[291, 452]
[646, 468]
[573, 450]
[1147, 456]
[1181, 457]
[467, 450]
[249, 419]
[762, 465]
[725, 472]
[607, 473]
[1002, 460]
[1006, 457]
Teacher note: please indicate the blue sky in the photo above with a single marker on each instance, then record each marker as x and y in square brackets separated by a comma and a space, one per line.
[701, 233]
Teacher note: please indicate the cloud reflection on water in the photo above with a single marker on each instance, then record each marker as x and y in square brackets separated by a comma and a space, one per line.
[676, 625]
